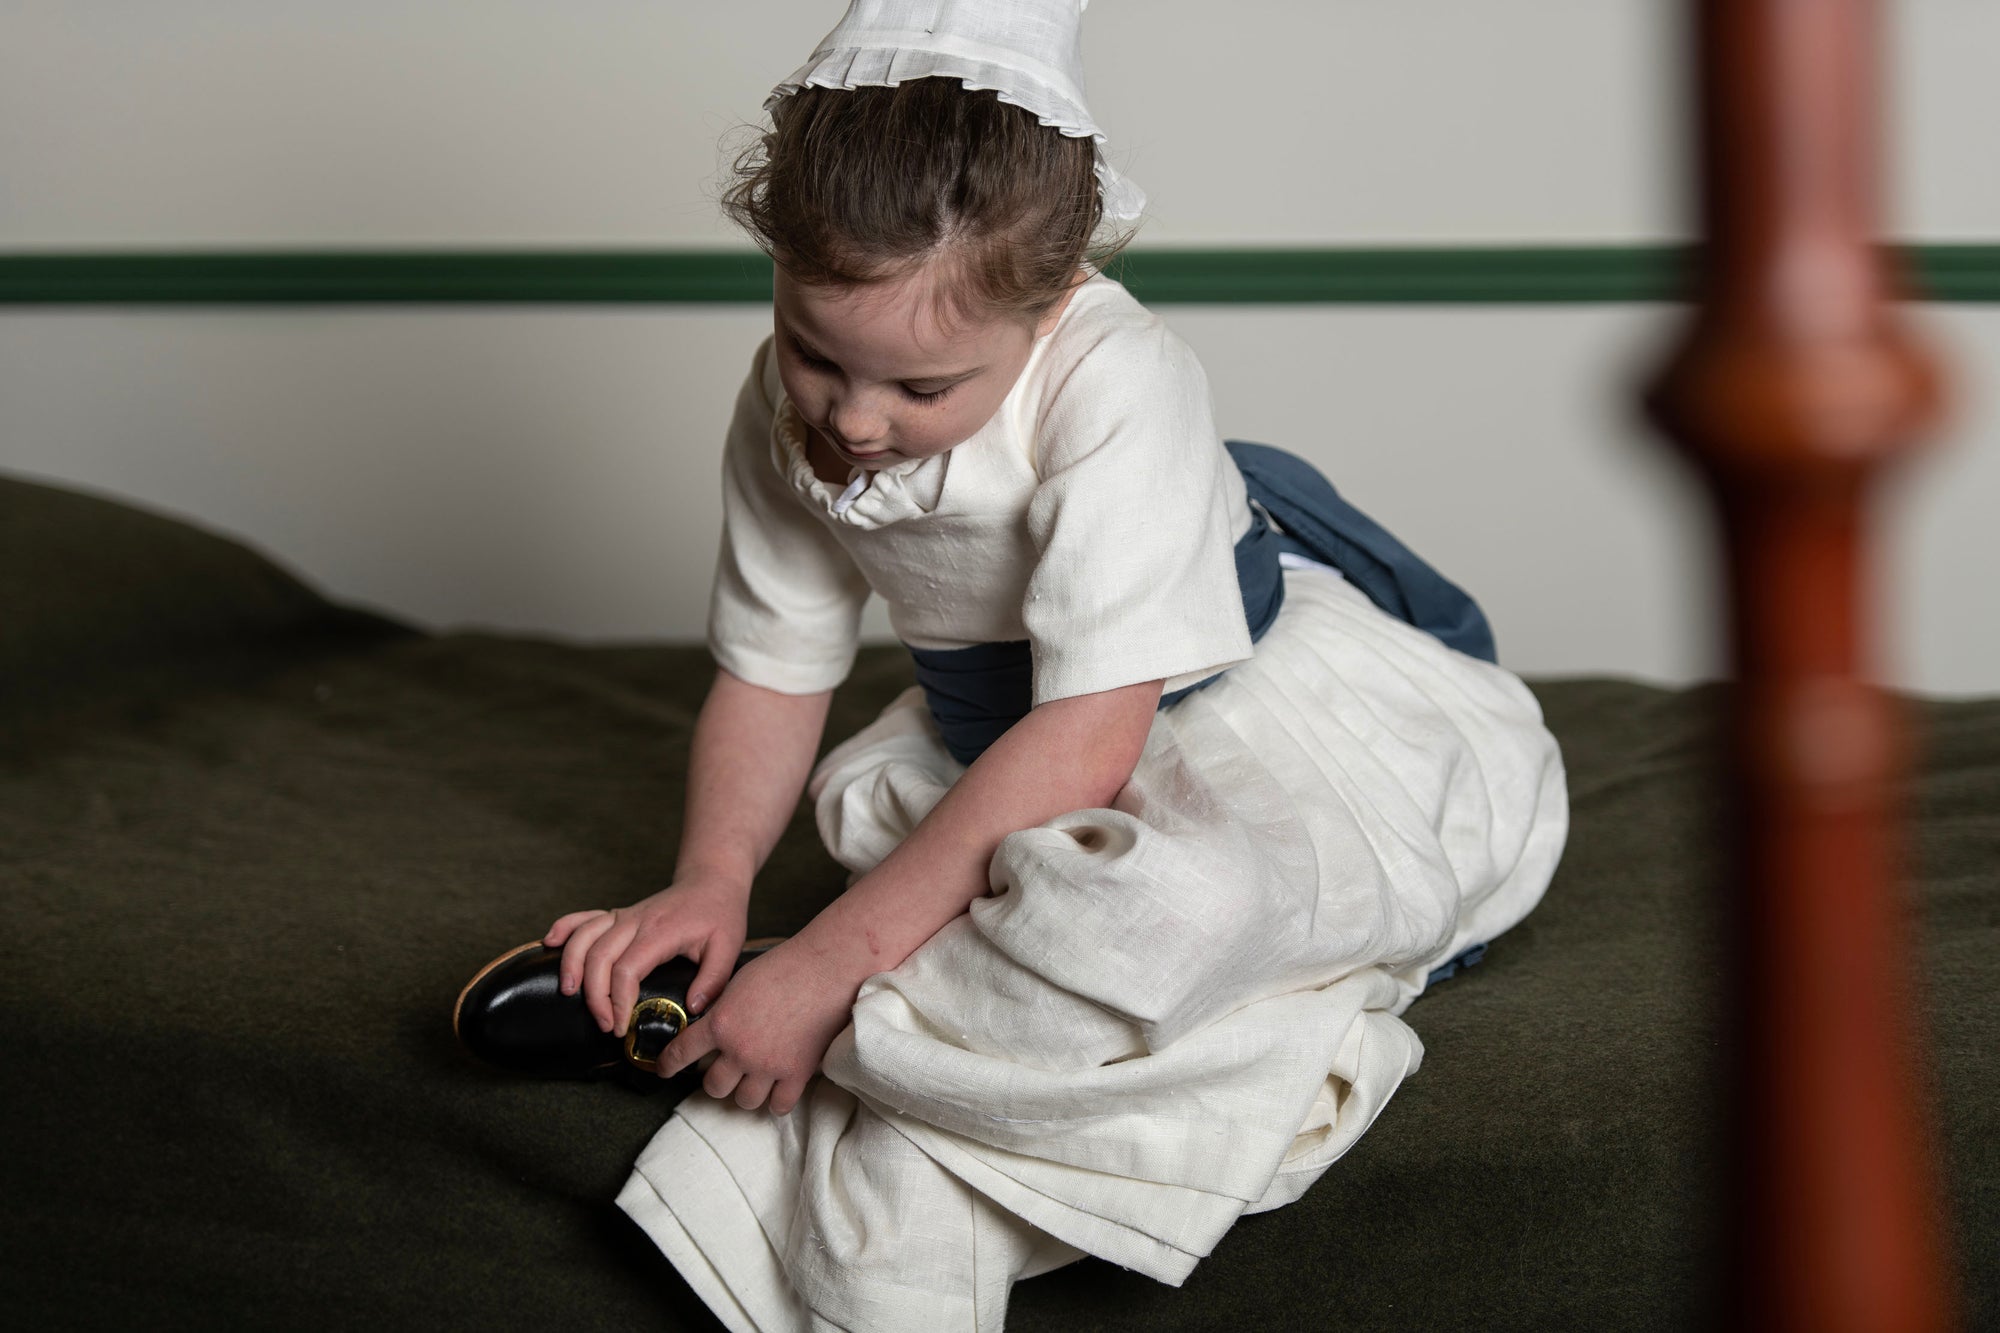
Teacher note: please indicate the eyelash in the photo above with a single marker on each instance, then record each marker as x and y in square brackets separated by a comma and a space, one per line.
[821, 363]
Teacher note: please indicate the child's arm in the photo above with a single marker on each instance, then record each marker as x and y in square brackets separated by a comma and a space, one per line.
[782, 1011]
[752, 751]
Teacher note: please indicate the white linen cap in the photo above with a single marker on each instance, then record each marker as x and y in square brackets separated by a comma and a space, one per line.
[1029, 52]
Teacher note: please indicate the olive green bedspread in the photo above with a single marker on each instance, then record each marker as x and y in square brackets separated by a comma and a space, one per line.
[251, 844]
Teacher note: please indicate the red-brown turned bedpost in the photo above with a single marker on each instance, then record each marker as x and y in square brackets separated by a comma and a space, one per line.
[1795, 385]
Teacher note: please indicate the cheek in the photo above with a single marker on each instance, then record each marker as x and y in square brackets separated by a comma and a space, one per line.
[968, 415]
[798, 388]
[939, 428]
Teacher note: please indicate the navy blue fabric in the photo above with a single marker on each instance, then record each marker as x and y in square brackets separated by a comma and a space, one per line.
[1469, 956]
[976, 693]
[1321, 526]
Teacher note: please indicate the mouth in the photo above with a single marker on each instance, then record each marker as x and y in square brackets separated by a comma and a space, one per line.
[859, 455]
[846, 450]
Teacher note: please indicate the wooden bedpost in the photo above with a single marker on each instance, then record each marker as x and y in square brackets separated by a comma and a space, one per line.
[1793, 387]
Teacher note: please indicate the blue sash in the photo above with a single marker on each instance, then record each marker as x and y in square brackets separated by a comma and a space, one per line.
[976, 693]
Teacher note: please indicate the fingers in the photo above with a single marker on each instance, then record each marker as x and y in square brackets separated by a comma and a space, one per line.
[583, 931]
[716, 965]
[695, 1041]
[787, 1093]
[604, 951]
[751, 1091]
[721, 1079]
[642, 954]
[565, 924]
[748, 1086]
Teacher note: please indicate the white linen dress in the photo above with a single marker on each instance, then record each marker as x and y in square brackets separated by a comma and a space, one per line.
[1169, 1012]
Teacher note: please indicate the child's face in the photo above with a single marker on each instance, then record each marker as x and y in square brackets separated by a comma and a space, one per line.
[884, 375]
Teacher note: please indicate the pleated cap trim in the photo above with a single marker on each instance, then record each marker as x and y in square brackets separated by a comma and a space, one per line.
[877, 45]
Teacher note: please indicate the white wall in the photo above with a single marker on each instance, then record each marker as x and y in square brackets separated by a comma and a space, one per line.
[552, 468]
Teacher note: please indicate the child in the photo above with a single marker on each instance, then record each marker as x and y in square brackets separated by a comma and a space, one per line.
[1135, 904]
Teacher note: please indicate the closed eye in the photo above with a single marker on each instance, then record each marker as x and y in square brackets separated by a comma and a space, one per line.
[813, 361]
[816, 362]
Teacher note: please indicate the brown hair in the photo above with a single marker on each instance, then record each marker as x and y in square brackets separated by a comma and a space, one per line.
[853, 186]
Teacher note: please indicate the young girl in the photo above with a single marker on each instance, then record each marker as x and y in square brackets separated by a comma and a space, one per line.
[1145, 869]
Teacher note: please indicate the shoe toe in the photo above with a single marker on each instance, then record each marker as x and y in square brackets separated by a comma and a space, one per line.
[513, 1014]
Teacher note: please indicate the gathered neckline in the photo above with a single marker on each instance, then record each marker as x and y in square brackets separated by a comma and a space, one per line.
[866, 499]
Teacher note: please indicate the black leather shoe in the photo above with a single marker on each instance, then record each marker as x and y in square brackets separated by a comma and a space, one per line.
[513, 1015]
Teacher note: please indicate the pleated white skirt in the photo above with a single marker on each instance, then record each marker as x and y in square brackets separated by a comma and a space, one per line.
[1168, 1014]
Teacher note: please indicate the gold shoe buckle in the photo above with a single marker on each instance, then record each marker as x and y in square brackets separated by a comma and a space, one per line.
[657, 1007]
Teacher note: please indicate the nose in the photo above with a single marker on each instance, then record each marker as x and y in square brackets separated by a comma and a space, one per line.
[857, 418]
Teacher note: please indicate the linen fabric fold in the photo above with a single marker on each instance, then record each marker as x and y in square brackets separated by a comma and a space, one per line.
[1168, 1013]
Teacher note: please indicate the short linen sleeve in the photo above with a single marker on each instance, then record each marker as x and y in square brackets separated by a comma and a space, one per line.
[785, 611]
[1136, 572]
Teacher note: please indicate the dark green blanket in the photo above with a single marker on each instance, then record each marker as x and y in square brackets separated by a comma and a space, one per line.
[251, 844]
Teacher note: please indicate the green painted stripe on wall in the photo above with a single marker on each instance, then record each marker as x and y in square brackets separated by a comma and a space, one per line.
[1407, 276]
[1327, 276]
[364, 277]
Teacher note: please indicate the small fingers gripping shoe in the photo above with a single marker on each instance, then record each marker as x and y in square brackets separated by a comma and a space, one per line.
[513, 1015]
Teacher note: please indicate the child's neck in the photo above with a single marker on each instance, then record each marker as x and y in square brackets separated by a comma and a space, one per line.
[827, 465]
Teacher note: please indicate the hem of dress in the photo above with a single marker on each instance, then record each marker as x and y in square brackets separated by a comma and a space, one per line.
[1097, 1237]
[646, 1204]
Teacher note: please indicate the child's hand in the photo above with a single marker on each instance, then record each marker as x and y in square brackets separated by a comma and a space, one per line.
[607, 954]
[769, 1031]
